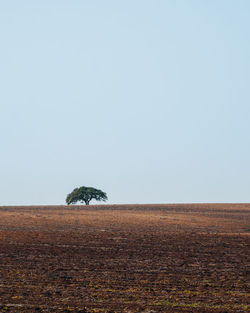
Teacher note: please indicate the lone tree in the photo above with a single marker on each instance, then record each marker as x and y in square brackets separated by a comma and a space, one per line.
[85, 194]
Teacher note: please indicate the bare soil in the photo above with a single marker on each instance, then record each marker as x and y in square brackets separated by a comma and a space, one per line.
[125, 258]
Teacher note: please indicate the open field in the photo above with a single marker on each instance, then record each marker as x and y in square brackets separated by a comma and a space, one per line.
[125, 258]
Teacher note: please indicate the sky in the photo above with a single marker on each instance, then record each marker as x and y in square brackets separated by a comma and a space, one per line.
[146, 100]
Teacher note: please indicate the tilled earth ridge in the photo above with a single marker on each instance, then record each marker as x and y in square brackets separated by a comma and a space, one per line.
[54, 260]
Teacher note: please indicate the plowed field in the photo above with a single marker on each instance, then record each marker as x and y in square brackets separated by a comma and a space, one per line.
[127, 258]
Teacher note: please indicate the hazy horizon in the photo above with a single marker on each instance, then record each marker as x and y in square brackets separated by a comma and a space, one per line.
[145, 100]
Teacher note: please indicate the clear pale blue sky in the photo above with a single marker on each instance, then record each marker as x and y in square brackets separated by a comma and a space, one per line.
[146, 100]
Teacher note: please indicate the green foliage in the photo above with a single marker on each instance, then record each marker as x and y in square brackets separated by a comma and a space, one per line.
[85, 194]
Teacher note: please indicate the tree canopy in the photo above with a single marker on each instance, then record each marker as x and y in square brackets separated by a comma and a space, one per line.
[85, 194]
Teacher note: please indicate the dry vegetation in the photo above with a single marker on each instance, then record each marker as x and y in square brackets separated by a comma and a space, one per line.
[127, 258]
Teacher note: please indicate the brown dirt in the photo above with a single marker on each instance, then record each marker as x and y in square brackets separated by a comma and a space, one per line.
[125, 258]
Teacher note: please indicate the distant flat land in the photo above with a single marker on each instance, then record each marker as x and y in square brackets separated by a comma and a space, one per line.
[125, 258]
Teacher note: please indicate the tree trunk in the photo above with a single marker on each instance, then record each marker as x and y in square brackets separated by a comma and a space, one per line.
[86, 202]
